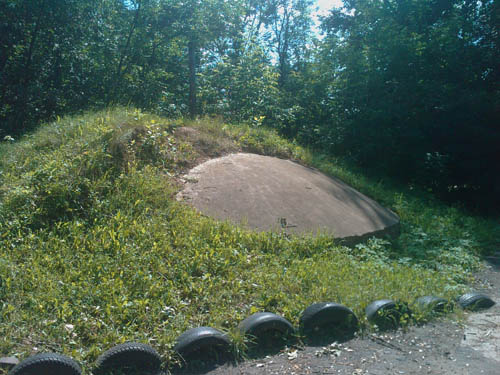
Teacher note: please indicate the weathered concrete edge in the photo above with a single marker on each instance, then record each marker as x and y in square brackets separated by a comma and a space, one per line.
[392, 231]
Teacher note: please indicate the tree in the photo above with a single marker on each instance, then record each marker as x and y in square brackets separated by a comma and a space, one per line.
[40, 46]
[197, 23]
[289, 23]
[245, 89]
[412, 89]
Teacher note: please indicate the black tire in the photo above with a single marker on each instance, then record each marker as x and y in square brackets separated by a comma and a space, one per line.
[433, 303]
[128, 358]
[475, 301]
[372, 310]
[202, 339]
[261, 325]
[328, 318]
[386, 313]
[47, 364]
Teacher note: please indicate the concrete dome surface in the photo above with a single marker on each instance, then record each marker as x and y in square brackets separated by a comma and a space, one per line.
[267, 193]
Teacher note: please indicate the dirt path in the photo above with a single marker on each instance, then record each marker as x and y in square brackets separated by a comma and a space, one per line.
[440, 347]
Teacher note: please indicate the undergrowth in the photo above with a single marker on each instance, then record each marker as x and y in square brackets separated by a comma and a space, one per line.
[96, 251]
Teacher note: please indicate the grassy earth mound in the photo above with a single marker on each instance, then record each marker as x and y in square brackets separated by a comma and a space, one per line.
[96, 251]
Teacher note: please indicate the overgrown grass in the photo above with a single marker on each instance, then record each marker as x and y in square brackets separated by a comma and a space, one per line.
[95, 251]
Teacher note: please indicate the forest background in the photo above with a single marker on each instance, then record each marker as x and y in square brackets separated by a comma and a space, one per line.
[404, 88]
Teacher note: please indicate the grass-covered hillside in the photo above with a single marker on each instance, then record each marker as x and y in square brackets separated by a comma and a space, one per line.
[95, 250]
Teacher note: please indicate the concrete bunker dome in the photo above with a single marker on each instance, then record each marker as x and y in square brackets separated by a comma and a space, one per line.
[270, 194]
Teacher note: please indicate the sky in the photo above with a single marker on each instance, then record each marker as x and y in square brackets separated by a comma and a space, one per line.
[323, 7]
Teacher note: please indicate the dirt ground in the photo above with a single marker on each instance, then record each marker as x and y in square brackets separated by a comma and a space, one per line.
[441, 347]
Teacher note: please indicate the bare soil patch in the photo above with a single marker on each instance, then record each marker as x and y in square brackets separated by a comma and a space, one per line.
[205, 145]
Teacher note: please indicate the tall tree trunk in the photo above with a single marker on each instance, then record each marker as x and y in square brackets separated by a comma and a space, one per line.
[22, 103]
[4, 57]
[192, 77]
[118, 74]
[283, 53]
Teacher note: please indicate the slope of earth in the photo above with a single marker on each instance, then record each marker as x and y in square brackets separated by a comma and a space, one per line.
[269, 193]
[96, 251]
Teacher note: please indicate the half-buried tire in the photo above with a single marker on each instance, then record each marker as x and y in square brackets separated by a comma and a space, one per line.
[47, 364]
[325, 320]
[206, 344]
[475, 301]
[434, 304]
[129, 358]
[266, 329]
[386, 313]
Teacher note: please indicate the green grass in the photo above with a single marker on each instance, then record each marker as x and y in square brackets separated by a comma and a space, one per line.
[95, 250]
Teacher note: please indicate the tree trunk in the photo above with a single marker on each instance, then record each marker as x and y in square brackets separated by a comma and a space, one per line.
[22, 103]
[119, 73]
[192, 78]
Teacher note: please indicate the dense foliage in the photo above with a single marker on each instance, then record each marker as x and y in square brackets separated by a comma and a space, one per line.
[415, 88]
[406, 86]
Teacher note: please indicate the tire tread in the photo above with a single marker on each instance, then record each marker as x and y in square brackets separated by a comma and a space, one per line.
[127, 353]
[475, 301]
[66, 365]
[197, 338]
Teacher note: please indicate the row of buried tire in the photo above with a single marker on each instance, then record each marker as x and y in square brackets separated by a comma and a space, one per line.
[318, 322]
